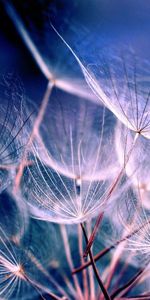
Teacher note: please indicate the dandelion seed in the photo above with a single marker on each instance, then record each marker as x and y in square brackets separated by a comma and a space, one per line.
[122, 86]
[21, 275]
[124, 81]
[71, 173]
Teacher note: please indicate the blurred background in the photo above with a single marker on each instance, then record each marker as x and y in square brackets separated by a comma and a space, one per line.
[89, 27]
[31, 49]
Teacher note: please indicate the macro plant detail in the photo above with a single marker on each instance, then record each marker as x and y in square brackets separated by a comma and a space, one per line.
[123, 79]
[74, 150]
[69, 177]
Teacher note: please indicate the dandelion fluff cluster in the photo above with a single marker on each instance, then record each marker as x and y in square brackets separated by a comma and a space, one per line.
[72, 160]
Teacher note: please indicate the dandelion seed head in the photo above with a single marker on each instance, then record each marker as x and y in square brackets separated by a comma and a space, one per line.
[23, 265]
[119, 85]
[124, 82]
[68, 179]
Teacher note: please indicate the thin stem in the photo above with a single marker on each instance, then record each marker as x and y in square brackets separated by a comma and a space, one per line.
[34, 133]
[90, 270]
[39, 287]
[27, 40]
[142, 297]
[104, 291]
[111, 190]
[92, 237]
[128, 285]
[84, 272]
[108, 249]
[70, 261]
